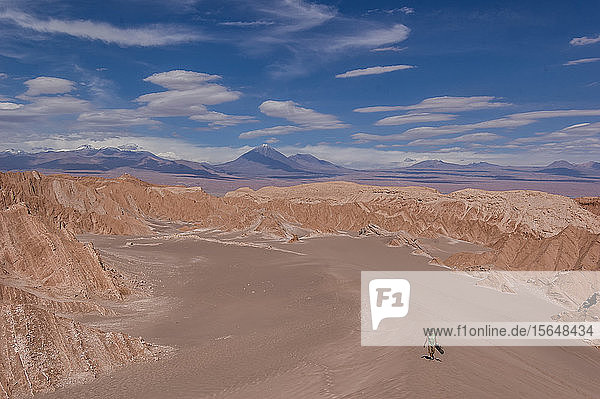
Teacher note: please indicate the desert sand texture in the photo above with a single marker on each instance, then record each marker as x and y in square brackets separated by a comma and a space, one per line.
[273, 320]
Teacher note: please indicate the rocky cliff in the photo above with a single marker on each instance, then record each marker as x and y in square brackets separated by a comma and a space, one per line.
[123, 206]
[45, 270]
[40, 351]
[592, 204]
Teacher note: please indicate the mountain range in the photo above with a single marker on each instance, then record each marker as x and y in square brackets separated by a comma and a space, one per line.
[265, 165]
[262, 161]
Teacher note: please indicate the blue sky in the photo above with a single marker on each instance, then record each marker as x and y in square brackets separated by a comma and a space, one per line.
[364, 84]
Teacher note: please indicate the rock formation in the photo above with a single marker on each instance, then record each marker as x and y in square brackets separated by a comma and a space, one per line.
[44, 270]
[52, 259]
[592, 204]
[494, 219]
[40, 351]
[574, 248]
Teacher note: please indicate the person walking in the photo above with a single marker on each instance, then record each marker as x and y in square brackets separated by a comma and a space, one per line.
[430, 343]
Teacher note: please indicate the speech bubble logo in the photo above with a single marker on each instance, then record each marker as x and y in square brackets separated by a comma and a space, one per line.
[389, 298]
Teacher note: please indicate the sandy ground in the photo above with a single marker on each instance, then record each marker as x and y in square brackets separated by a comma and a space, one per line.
[266, 323]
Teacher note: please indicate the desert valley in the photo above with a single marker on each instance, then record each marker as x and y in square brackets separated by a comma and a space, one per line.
[116, 286]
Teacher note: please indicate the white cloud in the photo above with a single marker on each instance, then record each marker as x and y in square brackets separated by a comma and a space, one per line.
[44, 106]
[433, 131]
[39, 116]
[414, 117]
[577, 131]
[578, 125]
[305, 117]
[403, 10]
[114, 118]
[395, 49]
[247, 23]
[376, 70]
[271, 131]
[180, 79]
[508, 121]
[309, 33]
[8, 106]
[443, 104]
[581, 61]
[185, 102]
[370, 38]
[467, 138]
[157, 35]
[584, 41]
[48, 85]
[560, 113]
[218, 119]
[188, 95]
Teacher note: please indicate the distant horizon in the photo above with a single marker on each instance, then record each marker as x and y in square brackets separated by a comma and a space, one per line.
[408, 164]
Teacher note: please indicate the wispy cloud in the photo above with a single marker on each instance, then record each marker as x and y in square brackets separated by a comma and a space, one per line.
[271, 131]
[370, 38]
[395, 49]
[308, 34]
[403, 10]
[584, 40]
[414, 117]
[156, 35]
[443, 104]
[466, 138]
[581, 61]
[115, 118]
[244, 24]
[299, 15]
[559, 113]
[508, 121]
[304, 118]
[577, 131]
[376, 70]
